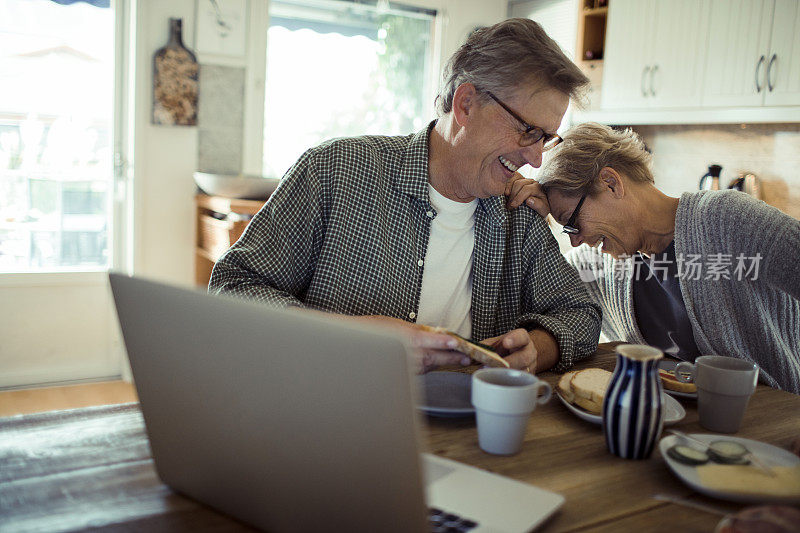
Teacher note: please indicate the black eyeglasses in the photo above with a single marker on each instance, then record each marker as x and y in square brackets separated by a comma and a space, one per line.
[532, 134]
[569, 227]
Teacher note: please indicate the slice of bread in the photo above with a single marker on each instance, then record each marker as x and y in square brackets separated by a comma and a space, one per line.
[590, 384]
[585, 388]
[593, 407]
[670, 383]
[475, 350]
[564, 386]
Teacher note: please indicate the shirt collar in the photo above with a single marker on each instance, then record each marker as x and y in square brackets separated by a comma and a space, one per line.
[413, 176]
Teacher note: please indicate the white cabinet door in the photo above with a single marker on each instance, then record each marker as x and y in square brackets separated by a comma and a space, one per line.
[679, 52]
[627, 52]
[783, 64]
[738, 46]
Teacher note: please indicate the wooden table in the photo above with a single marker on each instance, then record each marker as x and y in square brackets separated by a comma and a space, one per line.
[91, 467]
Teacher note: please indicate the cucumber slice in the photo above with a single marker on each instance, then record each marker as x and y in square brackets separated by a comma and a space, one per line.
[727, 452]
[688, 456]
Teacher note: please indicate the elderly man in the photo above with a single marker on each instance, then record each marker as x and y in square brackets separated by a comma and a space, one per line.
[414, 230]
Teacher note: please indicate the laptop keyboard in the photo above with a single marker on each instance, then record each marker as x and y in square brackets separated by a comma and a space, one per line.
[441, 522]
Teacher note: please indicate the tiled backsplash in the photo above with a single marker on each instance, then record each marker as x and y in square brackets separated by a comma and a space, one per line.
[681, 154]
[220, 116]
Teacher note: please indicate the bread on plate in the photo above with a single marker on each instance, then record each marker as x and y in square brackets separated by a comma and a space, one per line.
[669, 382]
[585, 388]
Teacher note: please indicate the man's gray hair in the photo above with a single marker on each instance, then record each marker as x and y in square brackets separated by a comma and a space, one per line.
[507, 55]
[574, 165]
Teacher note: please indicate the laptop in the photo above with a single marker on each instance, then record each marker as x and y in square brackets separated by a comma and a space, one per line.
[289, 421]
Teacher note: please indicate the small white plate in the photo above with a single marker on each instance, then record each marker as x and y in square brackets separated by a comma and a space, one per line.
[674, 411]
[769, 454]
[446, 394]
[669, 365]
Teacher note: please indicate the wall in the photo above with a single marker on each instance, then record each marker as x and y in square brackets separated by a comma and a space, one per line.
[165, 158]
[681, 154]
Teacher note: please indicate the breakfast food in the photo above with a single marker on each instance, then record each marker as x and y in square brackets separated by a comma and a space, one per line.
[585, 388]
[669, 382]
[742, 479]
[564, 386]
[477, 351]
[728, 452]
[687, 455]
[719, 451]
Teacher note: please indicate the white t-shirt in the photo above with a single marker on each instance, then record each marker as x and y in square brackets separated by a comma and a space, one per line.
[446, 296]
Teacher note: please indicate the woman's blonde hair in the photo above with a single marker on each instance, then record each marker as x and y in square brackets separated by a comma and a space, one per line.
[574, 165]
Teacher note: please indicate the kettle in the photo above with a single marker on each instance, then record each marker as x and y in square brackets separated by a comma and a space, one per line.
[748, 183]
[710, 180]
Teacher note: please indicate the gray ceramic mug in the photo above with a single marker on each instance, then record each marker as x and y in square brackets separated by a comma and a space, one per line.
[724, 386]
[504, 399]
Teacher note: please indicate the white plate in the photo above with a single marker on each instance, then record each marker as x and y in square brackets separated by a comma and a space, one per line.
[674, 411]
[446, 394]
[669, 365]
[769, 454]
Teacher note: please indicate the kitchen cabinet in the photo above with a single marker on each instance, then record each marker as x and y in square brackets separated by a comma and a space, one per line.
[625, 64]
[654, 54]
[754, 53]
[700, 62]
[783, 65]
[738, 52]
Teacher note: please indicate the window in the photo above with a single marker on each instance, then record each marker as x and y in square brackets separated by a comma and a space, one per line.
[56, 103]
[343, 68]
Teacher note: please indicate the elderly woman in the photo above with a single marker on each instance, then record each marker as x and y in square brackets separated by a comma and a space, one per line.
[711, 272]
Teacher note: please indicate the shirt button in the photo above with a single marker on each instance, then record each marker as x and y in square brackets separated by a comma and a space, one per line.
[412, 315]
[420, 262]
[430, 214]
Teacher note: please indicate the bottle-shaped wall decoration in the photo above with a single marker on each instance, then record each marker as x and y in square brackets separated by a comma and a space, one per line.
[175, 88]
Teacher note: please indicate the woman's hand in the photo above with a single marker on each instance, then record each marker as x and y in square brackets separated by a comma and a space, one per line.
[519, 190]
[517, 348]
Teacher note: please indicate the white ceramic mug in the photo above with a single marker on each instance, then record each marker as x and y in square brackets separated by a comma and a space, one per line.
[724, 386]
[504, 399]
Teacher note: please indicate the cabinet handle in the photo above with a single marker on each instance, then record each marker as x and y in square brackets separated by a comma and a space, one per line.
[758, 69]
[769, 72]
[653, 80]
[641, 84]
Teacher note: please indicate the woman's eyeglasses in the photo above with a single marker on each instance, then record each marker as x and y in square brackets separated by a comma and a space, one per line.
[569, 227]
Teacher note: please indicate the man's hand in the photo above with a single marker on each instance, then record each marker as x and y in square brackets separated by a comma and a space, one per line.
[517, 348]
[519, 190]
[432, 349]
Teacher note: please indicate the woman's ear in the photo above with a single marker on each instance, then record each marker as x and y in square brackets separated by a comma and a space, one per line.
[464, 101]
[612, 182]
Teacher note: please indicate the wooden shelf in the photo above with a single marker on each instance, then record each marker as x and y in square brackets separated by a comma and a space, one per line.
[214, 234]
[596, 12]
[219, 204]
[591, 41]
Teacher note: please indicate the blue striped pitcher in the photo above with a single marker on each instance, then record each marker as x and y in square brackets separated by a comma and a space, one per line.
[633, 409]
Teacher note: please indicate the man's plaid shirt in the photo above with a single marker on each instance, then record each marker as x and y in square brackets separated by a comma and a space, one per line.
[347, 230]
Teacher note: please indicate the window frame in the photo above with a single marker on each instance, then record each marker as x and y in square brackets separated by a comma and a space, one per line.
[121, 234]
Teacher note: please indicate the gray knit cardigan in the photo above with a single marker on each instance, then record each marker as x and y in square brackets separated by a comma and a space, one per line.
[753, 318]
